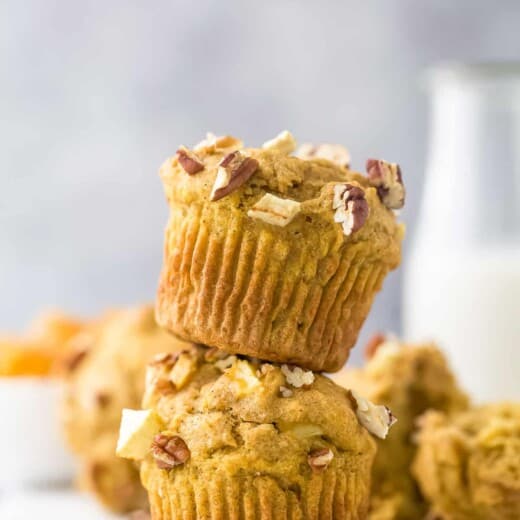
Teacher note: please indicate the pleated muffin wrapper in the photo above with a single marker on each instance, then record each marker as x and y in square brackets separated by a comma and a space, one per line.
[237, 438]
[341, 491]
[297, 294]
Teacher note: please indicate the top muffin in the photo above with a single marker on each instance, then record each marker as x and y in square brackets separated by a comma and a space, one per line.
[276, 256]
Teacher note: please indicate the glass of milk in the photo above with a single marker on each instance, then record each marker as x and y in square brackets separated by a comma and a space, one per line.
[462, 276]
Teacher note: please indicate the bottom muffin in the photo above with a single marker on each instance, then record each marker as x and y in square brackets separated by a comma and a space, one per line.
[410, 379]
[469, 466]
[105, 374]
[230, 438]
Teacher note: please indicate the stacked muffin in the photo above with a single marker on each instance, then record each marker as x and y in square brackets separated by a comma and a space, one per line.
[271, 261]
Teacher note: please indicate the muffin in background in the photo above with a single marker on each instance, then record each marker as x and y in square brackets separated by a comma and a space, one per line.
[410, 379]
[237, 438]
[275, 256]
[104, 374]
[468, 465]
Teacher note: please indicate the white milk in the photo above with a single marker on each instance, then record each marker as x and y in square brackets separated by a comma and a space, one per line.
[470, 305]
[462, 278]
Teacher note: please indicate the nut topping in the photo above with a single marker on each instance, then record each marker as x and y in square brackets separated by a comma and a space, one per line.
[169, 451]
[165, 358]
[373, 344]
[377, 419]
[102, 399]
[275, 210]
[297, 377]
[319, 459]
[190, 163]
[286, 392]
[264, 369]
[234, 169]
[333, 152]
[226, 363]
[351, 207]
[157, 378]
[74, 359]
[387, 179]
[284, 143]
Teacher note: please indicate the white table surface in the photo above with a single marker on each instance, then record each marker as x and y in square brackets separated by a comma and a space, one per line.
[56, 504]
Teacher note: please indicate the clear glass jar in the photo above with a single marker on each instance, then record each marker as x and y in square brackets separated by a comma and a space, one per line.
[462, 277]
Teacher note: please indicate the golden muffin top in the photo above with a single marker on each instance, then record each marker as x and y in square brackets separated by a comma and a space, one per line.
[275, 188]
[253, 414]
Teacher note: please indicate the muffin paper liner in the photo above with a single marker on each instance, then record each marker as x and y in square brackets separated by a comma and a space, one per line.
[249, 290]
[331, 494]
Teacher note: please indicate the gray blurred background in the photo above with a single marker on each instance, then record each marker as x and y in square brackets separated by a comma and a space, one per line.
[96, 94]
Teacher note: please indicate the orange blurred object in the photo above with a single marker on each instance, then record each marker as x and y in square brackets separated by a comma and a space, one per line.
[42, 350]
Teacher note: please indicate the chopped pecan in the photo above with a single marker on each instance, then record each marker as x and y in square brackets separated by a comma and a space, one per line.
[190, 163]
[351, 207]
[102, 399]
[264, 369]
[275, 210]
[373, 344]
[169, 451]
[377, 419]
[157, 378]
[333, 152]
[286, 392]
[387, 179]
[74, 359]
[166, 358]
[319, 459]
[234, 170]
[297, 377]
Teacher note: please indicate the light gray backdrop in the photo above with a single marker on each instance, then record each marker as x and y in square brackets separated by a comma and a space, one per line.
[96, 94]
